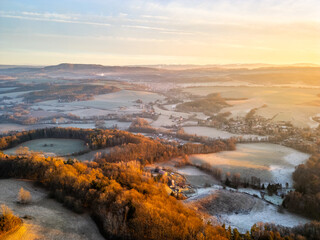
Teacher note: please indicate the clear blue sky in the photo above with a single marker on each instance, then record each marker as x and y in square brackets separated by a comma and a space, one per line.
[149, 32]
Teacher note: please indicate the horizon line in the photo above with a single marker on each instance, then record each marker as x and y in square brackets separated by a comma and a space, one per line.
[164, 64]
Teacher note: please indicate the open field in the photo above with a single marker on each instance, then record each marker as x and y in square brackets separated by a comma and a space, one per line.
[90, 156]
[169, 115]
[197, 178]
[241, 211]
[7, 127]
[51, 146]
[215, 133]
[47, 219]
[108, 124]
[14, 94]
[4, 89]
[122, 102]
[112, 101]
[270, 162]
[297, 105]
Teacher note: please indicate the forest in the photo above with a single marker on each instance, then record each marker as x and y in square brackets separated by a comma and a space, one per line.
[212, 103]
[306, 197]
[128, 146]
[67, 93]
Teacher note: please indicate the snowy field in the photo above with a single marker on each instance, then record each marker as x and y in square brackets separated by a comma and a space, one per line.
[108, 124]
[51, 146]
[76, 125]
[102, 104]
[267, 214]
[4, 89]
[168, 117]
[270, 162]
[112, 101]
[48, 218]
[201, 180]
[14, 94]
[216, 133]
[8, 127]
[90, 156]
[241, 211]
[283, 103]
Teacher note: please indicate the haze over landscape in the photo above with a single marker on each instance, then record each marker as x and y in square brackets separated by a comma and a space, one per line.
[160, 119]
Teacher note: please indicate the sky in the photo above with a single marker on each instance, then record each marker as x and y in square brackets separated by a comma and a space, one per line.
[135, 32]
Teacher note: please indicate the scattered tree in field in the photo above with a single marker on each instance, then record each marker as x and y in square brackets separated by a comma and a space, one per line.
[24, 196]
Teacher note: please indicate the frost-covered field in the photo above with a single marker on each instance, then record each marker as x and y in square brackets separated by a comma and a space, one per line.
[122, 102]
[119, 125]
[108, 124]
[168, 116]
[90, 156]
[162, 121]
[48, 218]
[215, 133]
[271, 162]
[267, 214]
[4, 89]
[51, 146]
[14, 94]
[76, 125]
[283, 103]
[241, 210]
[112, 101]
[197, 178]
[7, 127]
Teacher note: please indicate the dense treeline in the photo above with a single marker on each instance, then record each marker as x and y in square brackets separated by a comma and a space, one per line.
[310, 231]
[95, 138]
[306, 198]
[133, 147]
[67, 93]
[212, 103]
[150, 151]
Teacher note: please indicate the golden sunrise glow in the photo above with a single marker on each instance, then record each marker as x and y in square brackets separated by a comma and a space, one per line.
[153, 32]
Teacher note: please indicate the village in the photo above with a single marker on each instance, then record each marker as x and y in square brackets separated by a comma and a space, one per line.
[176, 184]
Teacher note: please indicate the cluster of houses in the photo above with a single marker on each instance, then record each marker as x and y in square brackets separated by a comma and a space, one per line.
[175, 181]
[281, 131]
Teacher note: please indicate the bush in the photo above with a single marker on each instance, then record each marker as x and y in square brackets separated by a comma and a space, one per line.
[24, 196]
[8, 221]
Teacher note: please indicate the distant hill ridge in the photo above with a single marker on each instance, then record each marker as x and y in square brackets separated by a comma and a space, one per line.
[78, 66]
[259, 73]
